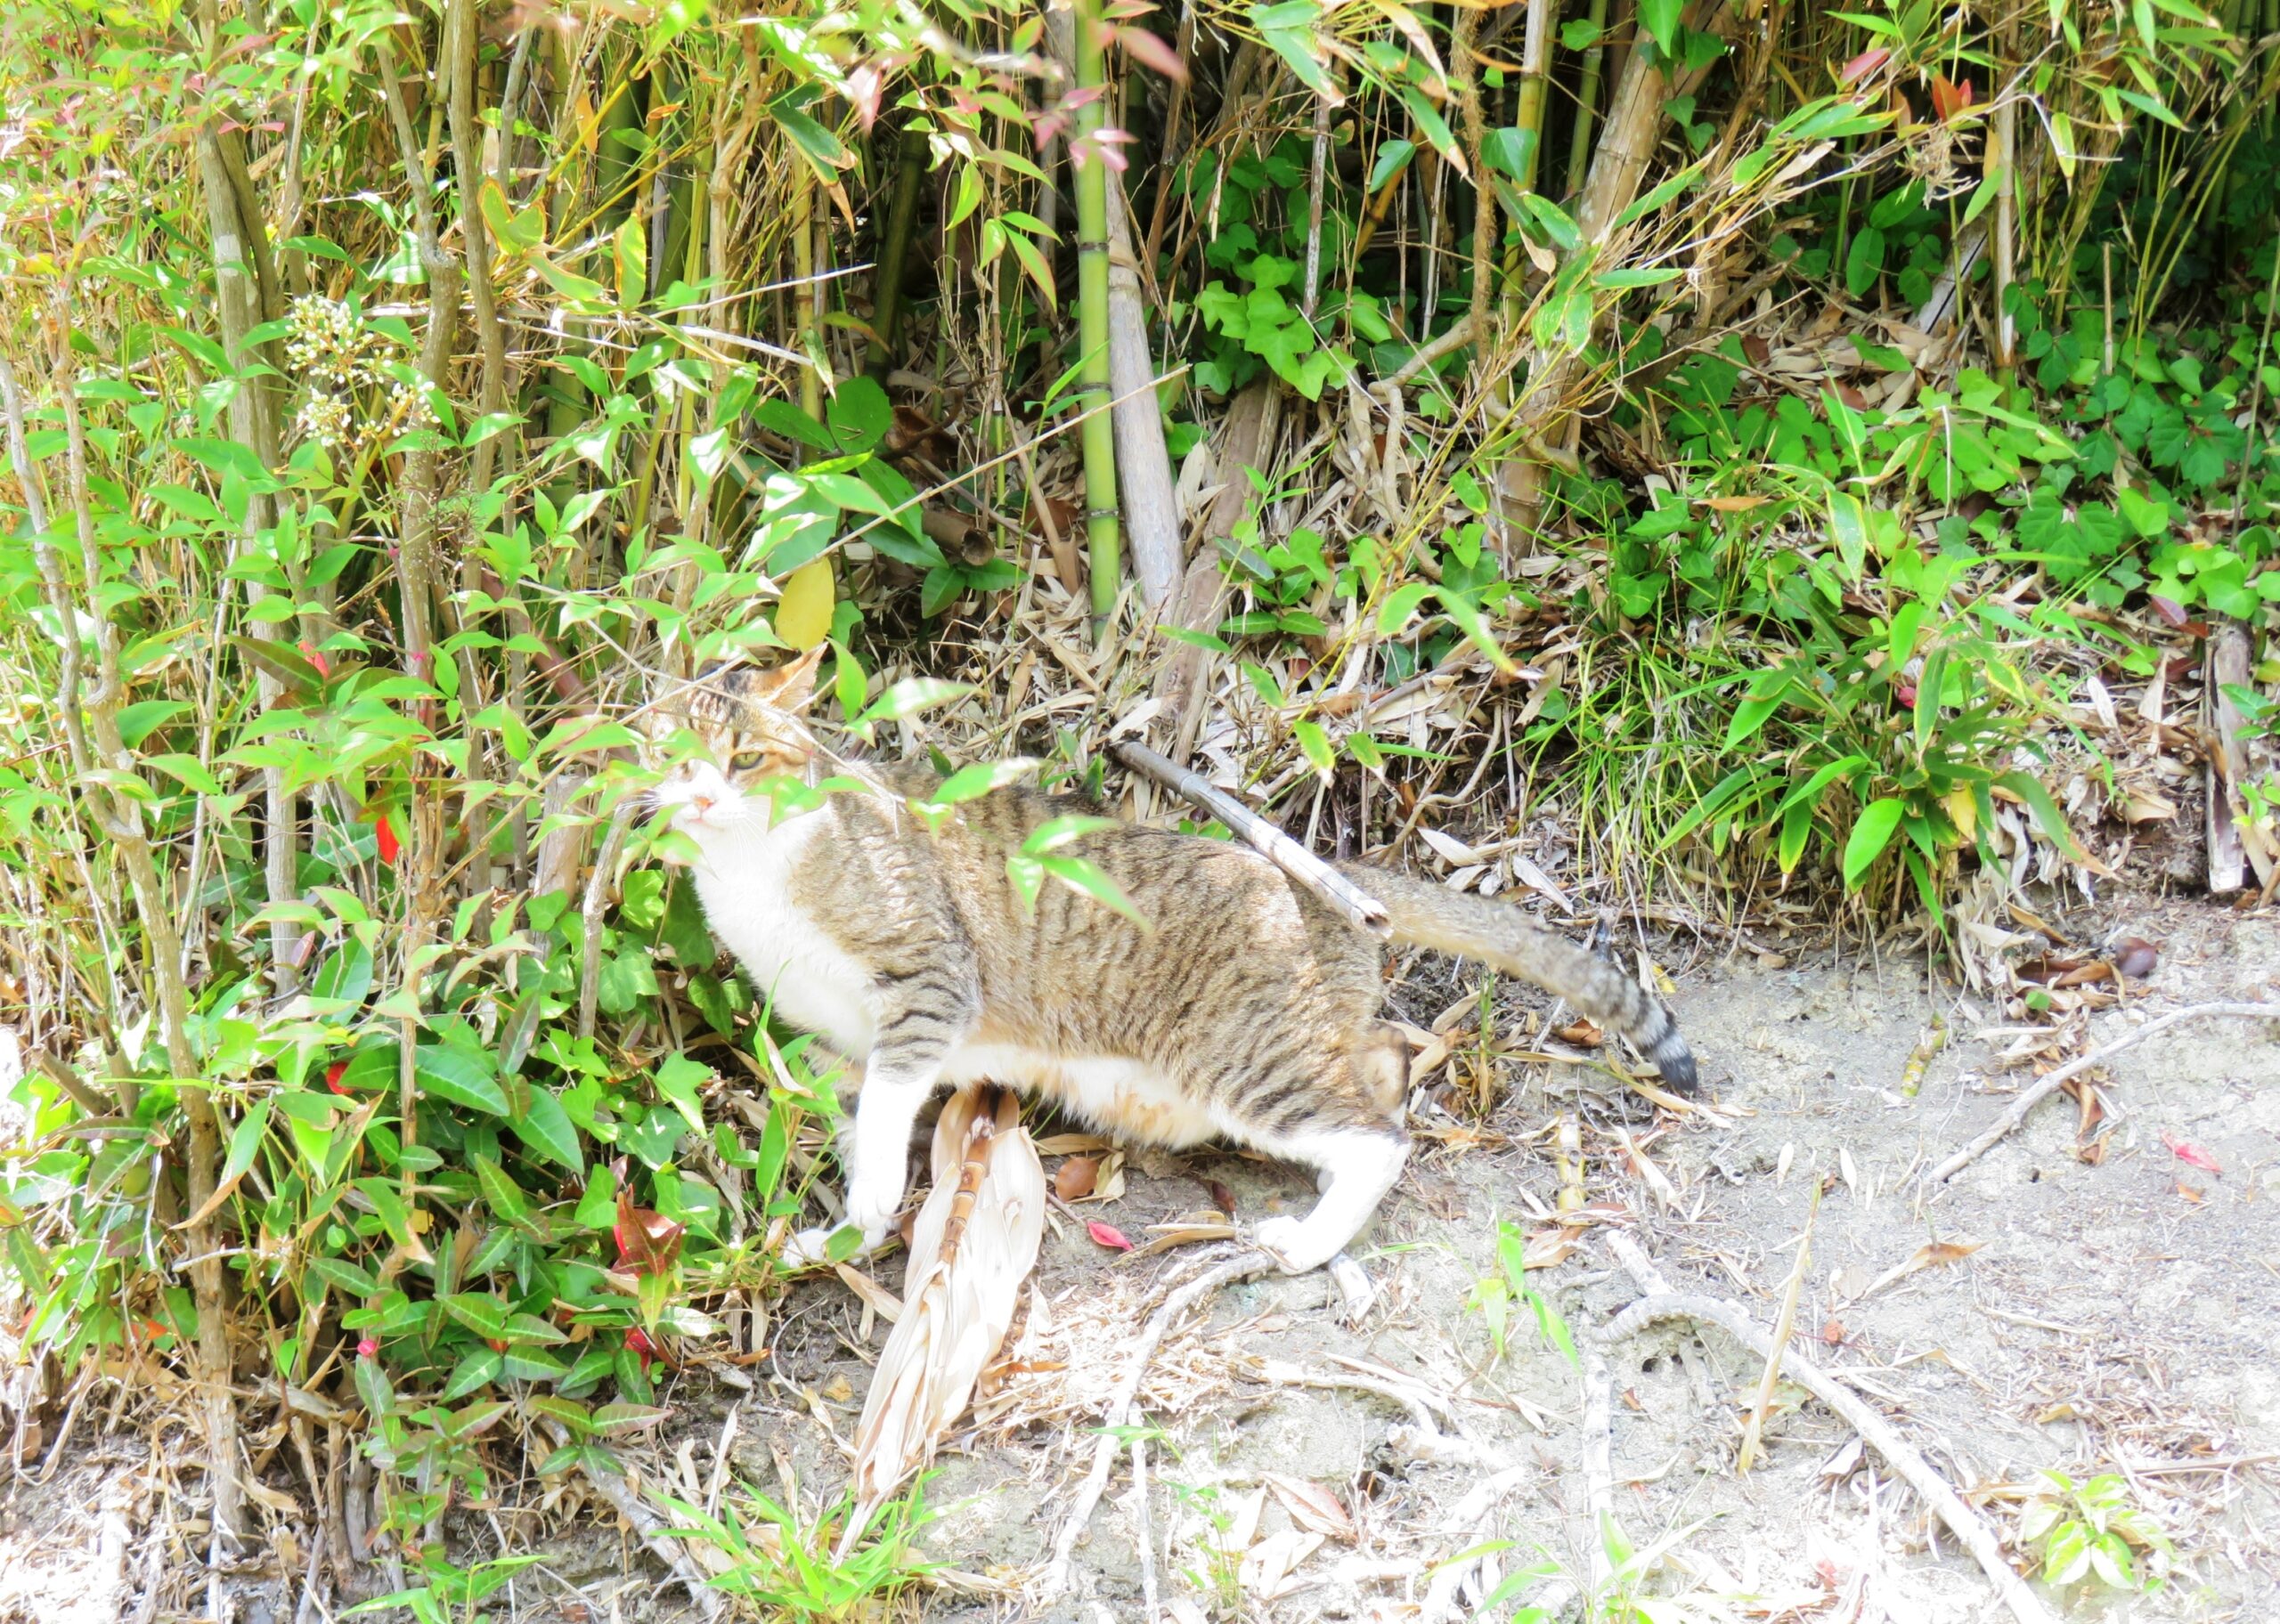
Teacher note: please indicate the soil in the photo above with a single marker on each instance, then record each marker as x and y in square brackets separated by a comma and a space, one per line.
[2113, 1310]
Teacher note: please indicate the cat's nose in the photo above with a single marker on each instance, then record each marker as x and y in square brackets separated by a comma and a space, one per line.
[700, 803]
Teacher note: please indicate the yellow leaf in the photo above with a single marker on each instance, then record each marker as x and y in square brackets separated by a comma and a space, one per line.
[803, 617]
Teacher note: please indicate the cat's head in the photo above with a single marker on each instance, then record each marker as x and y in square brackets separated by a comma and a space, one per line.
[749, 724]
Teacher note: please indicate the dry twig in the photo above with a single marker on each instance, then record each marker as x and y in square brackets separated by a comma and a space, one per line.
[2045, 1086]
[1118, 1411]
[1969, 1527]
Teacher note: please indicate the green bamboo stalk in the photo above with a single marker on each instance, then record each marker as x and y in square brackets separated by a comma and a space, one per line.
[1101, 537]
[1587, 97]
[894, 248]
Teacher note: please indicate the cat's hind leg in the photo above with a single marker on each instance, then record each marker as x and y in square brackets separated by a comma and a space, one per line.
[1348, 1128]
[1355, 1165]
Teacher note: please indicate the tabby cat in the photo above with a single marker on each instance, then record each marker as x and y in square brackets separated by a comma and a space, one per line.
[1244, 1010]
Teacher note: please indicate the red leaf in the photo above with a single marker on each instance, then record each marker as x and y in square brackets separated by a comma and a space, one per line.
[332, 1077]
[647, 1242]
[1151, 52]
[1108, 1234]
[2169, 609]
[1862, 66]
[2193, 1156]
[391, 849]
[1948, 100]
[314, 656]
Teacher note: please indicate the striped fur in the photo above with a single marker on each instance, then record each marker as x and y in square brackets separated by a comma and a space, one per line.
[1246, 1009]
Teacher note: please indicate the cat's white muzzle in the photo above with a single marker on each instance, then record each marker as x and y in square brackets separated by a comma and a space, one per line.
[703, 802]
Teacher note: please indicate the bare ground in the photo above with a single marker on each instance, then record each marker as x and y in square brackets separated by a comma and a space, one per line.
[2118, 1312]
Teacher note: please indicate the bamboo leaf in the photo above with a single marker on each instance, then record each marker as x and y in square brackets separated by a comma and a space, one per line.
[2052, 822]
[1872, 831]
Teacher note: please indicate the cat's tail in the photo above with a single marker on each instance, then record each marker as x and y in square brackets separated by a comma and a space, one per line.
[1498, 934]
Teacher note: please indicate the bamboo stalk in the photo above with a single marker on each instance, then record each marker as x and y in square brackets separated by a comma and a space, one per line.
[240, 304]
[1102, 535]
[461, 44]
[894, 248]
[808, 301]
[423, 474]
[1362, 910]
[100, 758]
[1634, 121]
[1144, 463]
[2003, 160]
[1587, 96]
[1317, 162]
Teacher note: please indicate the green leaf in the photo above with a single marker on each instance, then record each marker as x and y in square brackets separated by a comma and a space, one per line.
[2052, 822]
[1660, 18]
[1056, 832]
[909, 697]
[480, 1312]
[450, 1074]
[1864, 261]
[972, 782]
[474, 1371]
[861, 414]
[1474, 625]
[816, 144]
[544, 1126]
[1872, 831]
[1393, 158]
[1315, 745]
[1807, 792]
[1080, 875]
[500, 1193]
[629, 253]
[677, 1078]
[1727, 790]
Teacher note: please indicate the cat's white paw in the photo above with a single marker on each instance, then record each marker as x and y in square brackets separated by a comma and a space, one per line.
[1297, 1248]
[873, 1202]
[806, 1249]
[812, 1248]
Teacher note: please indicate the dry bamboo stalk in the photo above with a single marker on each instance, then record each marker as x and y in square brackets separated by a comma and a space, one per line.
[1364, 912]
[1635, 116]
[1146, 495]
[1247, 441]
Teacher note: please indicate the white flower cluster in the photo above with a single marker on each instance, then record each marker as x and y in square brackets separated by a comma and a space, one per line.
[334, 355]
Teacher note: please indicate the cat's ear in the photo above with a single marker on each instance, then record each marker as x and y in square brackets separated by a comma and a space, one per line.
[789, 688]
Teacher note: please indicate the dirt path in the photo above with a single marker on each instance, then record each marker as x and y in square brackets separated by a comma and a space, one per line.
[2121, 1316]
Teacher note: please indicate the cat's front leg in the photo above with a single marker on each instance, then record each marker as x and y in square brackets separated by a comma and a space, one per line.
[877, 1157]
[920, 1027]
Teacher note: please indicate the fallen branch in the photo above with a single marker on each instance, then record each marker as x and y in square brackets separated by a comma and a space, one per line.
[1117, 1412]
[1969, 1527]
[1365, 911]
[2045, 1086]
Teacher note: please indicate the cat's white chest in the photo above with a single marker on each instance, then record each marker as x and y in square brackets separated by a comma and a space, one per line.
[746, 886]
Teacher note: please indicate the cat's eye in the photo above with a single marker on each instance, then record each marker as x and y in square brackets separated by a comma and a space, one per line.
[746, 761]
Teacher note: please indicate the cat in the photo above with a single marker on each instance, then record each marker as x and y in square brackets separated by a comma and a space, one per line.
[1244, 1009]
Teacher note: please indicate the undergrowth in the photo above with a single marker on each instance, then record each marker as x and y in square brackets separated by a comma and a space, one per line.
[398, 400]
